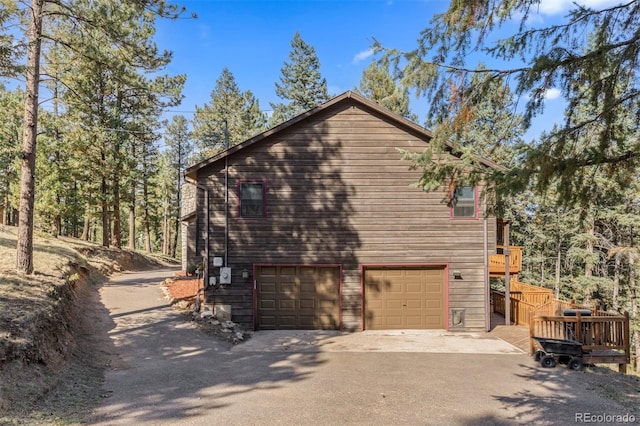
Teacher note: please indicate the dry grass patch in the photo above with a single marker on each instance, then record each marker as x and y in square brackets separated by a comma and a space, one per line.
[45, 377]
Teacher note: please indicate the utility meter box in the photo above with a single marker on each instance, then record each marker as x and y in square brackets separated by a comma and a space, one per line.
[225, 275]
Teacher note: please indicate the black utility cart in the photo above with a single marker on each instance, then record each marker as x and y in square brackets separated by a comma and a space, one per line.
[553, 351]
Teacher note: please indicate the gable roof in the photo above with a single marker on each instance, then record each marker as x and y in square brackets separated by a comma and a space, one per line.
[344, 97]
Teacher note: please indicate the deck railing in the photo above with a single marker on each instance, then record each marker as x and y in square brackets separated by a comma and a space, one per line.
[497, 261]
[522, 311]
[606, 336]
[557, 307]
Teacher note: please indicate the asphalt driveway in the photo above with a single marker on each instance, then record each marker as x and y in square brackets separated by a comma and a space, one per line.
[166, 372]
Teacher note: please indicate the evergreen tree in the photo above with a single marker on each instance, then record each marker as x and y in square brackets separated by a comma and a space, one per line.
[378, 85]
[555, 56]
[92, 31]
[178, 139]
[230, 114]
[126, 27]
[493, 132]
[301, 83]
[11, 104]
[10, 49]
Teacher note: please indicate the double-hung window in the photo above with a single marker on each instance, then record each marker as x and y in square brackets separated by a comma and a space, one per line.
[253, 199]
[464, 203]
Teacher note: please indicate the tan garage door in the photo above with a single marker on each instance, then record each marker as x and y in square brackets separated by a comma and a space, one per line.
[405, 297]
[298, 297]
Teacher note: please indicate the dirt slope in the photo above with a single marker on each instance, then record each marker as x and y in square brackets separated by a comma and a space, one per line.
[42, 319]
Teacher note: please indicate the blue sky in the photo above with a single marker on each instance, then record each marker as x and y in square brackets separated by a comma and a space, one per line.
[252, 39]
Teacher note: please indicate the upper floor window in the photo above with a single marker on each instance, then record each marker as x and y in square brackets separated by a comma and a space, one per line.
[463, 204]
[253, 199]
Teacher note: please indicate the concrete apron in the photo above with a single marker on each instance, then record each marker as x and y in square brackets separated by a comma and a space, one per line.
[434, 341]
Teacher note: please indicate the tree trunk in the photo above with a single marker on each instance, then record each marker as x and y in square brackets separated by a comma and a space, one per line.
[57, 220]
[556, 289]
[5, 220]
[87, 223]
[542, 268]
[132, 223]
[616, 282]
[588, 265]
[634, 305]
[165, 230]
[132, 207]
[147, 226]
[117, 225]
[24, 251]
[174, 240]
[105, 214]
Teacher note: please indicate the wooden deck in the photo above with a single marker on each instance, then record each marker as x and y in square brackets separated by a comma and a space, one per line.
[517, 335]
[606, 338]
[497, 266]
[605, 335]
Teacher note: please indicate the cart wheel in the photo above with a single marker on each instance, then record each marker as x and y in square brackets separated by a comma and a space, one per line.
[575, 363]
[538, 355]
[548, 361]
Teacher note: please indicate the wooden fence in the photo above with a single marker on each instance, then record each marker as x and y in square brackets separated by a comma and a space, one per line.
[605, 338]
[522, 311]
[605, 335]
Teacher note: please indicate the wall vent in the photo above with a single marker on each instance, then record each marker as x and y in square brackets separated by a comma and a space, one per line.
[457, 318]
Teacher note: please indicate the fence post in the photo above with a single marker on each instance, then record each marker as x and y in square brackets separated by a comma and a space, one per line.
[531, 334]
[578, 329]
[627, 338]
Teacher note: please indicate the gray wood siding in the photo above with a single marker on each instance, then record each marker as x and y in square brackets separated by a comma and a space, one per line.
[339, 193]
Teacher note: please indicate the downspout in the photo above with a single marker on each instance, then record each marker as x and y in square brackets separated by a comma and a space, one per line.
[205, 262]
[487, 295]
[226, 195]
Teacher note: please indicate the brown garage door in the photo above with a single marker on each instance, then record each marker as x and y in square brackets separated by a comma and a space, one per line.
[405, 297]
[298, 297]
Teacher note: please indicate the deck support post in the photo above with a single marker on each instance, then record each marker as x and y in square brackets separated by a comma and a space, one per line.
[507, 276]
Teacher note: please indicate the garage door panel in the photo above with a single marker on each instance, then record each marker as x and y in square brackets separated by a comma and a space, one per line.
[306, 321]
[414, 304]
[267, 321]
[284, 304]
[393, 304]
[284, 271]
[405, 297]
[415, 288]
[268, 289]
[393, 321]
[306, 297]
[285, 320]
[267, 304]
[394, 288]
[307, 304]
[414, 321]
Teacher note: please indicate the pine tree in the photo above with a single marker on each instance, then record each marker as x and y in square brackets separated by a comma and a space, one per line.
[554, 56]
[301, 83]
[126, 27]
[178, 139]
[230, 114]
[378, 84]
[493, 132]
[10, 48]
[11, 104]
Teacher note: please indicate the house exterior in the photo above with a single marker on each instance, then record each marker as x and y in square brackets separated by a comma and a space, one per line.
[317, 224]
